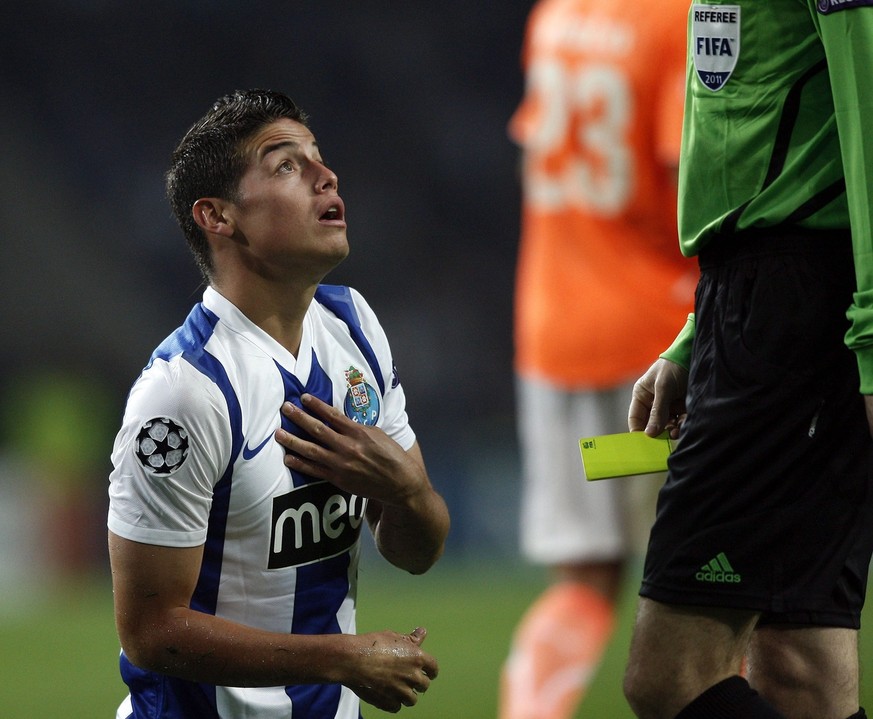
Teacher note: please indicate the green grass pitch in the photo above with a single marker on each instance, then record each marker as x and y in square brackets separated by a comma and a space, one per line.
[59, 655]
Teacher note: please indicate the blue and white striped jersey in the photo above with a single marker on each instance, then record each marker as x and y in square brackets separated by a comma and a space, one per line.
[195, 463]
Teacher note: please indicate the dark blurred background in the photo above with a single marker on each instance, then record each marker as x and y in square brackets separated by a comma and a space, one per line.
[409, 102]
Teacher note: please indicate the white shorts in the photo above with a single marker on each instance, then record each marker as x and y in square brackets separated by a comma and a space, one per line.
[565, 518]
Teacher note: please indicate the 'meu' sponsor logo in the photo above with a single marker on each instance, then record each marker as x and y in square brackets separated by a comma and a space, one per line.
[313, 522]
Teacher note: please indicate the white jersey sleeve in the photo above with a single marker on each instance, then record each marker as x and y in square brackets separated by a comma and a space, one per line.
[172, 448]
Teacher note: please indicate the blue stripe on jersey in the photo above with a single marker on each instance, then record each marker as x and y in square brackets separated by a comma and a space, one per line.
[205, 597]
[318, 385]
[158, 695]
[339, 300]
[323, 586]
[321, 589]
[190, 338]
[190, 341]
[183, 699]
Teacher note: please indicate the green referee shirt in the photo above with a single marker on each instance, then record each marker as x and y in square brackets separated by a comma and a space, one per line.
[779, 131]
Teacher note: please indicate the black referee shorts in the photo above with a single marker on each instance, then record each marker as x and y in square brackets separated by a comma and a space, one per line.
[768, 503]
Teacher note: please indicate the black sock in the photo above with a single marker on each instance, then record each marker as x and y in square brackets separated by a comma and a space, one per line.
[859, 715]
[732, 698]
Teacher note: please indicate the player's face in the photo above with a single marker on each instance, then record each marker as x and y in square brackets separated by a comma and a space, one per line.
[289, 215]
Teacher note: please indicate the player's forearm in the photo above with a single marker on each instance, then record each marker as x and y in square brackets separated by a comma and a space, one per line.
[204, 648]
[412, 536]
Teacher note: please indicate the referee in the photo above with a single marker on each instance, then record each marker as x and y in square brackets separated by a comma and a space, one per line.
[757, 562]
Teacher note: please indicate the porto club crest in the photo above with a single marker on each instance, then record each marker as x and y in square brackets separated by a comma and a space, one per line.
[715, 43]
[362, 403]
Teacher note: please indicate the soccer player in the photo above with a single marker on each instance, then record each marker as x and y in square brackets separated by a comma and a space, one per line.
[601, 287]
[259, 438]
[764, 528]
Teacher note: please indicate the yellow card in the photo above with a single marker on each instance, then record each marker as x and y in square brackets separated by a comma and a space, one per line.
[624, 454]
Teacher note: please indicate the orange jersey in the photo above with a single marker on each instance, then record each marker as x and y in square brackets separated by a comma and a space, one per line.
[601, 288]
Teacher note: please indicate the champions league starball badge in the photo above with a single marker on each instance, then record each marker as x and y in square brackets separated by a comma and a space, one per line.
[715, 43]
[362, 402]
[161, 446]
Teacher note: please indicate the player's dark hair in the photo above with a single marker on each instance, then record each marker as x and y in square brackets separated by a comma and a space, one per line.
[209, 162]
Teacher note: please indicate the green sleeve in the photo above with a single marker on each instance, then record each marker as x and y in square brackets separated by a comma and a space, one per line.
[859, 338]
[680, 351]
[847, 36]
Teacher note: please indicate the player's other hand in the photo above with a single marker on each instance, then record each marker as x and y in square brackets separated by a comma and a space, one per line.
[658, 399]
[360, 459]
[391, 670]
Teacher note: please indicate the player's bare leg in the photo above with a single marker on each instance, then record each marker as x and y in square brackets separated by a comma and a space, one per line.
[559, 643]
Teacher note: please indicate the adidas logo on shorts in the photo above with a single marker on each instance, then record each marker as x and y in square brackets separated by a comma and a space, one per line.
[719, 570]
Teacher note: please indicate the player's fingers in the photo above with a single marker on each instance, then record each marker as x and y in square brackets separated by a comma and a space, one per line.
[327, 412]
[421, 681]
[320, 431]
[379, 699]
[305, 457]
[418, 684]
[429, 668]
[390, 705]
[299, 447]
[419, 634]
[302, 419]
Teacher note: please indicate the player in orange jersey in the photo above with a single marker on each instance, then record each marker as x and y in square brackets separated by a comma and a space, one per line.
[599, 128]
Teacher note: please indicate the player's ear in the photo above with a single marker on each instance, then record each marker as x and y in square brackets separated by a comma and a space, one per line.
[210, 214]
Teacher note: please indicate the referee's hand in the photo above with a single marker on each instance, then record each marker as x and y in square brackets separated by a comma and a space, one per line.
[658, 400]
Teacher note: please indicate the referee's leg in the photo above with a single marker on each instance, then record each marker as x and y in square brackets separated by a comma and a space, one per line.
[685, 663]
[679, 652]
[806, 671]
